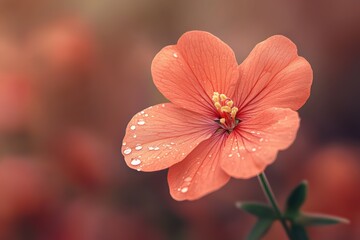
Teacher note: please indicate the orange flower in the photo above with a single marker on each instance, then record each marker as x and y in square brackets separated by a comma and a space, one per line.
[225, 120]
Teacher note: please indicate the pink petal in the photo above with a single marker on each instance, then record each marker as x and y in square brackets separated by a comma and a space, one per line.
[163, 135]
[273, 75]
[199, 173]
[256, 141]
[190, 72]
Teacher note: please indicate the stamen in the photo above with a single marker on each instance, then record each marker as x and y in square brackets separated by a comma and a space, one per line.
[215, 98]
[234, 110]
[217, 105]
[226, 110]
[223, 97]
[230, 103]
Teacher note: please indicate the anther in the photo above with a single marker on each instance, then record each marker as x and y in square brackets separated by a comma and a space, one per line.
[230, 103]
[234, 110]
[223, 97]
[217, 105]
[226, 109]
[215, 98]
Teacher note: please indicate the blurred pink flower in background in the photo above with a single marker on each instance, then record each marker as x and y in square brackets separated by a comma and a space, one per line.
[24, 191]
[15, 102]
[334, 179]
[224, 120]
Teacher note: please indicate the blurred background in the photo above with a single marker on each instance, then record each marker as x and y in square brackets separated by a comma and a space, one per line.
[73, 73]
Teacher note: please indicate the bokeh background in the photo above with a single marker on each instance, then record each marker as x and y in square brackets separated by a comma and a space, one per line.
[73, 73]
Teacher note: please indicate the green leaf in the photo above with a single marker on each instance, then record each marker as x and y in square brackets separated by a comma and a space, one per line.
[260, 229]
[296, 199]
[258, 209]
[298, 232]
[310, 219]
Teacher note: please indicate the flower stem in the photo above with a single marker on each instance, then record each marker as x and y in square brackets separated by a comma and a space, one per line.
[270, 196]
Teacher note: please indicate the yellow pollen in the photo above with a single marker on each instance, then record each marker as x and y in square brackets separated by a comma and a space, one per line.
[234, 110]
[223, 97]
[215, 98]
[230, 103]
[217, 105]
[226, 109]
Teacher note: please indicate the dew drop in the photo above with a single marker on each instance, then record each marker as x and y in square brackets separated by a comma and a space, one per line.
[127, 151]
[230, 155]
[141, 122]
[135, 162]
[175, 55]
[156, 148]
[184, 189]
[261, 139]
[253, 149]
[138, 147]
[151, 148]
[124, 144]
[132, 127]
[134, 136]
[188, 179]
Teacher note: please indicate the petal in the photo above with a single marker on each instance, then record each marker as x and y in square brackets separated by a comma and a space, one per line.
[190, 72]
[163, 135]
[273, 75]
[256, 141]
[199, 173]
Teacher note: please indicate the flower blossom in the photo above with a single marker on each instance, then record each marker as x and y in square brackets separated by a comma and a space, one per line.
[224, 120]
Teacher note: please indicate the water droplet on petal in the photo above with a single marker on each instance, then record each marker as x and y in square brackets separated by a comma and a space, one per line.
[188, 179]
[124, 144]
[138, 147]
[253, 149]
[134, 136]
[261, 139]
[184, 189]
[141, 122]
[230, 155]
[127, 151]
[132, 127]
[175, 55]
[135, 162]
[156, 148]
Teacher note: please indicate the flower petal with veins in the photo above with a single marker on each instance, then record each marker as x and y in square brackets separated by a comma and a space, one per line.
[255, 144]
[200, 172]
[162, 135]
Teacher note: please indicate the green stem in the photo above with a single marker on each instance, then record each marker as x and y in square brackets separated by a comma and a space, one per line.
[270, 196]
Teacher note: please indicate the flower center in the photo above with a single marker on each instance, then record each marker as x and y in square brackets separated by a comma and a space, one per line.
[227, 111]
